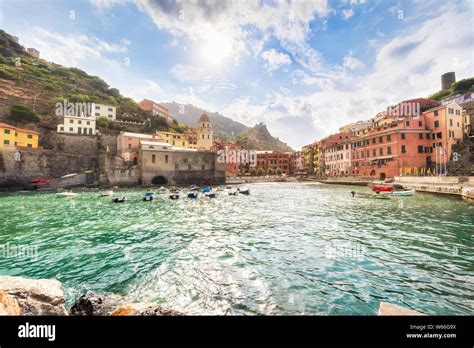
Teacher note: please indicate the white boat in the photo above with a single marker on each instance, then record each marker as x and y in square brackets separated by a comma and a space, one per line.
[105, 193]
[244, 190]
[66, 194]
[403, 193]
[210, 194]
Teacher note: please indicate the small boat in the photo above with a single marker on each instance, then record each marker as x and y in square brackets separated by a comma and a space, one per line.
[228, 187]
[174, 195]
[147, 197]
[119, 200]
[192, 194]
[194, 188]
[244, 190]
[206, 189]
[403, 193]
[68, 194]
[105, 193]
[382, 188]
[233, 192]
[210, 194]
[369, 195]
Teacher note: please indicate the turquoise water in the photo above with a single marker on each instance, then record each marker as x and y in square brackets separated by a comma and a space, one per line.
[288, 248]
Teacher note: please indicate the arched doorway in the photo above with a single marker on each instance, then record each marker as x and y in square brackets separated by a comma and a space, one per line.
[159, 180]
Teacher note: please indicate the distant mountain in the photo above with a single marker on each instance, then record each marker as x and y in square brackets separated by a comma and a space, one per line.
[257, 137]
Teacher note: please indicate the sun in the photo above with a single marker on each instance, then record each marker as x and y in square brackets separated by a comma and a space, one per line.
[216, 47]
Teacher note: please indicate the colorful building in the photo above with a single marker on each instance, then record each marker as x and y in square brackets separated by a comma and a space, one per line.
[155, 109]
[11, 136]
[273, 161]
[128, 145]
[446, 125]
[204, 133]
[230, 154]
[175, 139]
[297, 163]
[392, 147]
[337, 154]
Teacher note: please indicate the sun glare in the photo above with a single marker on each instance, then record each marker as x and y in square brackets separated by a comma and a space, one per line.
[216, 47]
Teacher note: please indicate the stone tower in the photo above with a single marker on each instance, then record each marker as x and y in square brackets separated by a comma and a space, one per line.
[204, 133]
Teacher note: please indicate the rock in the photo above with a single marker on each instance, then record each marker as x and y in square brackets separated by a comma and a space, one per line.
[393, 309]
[95, 304]
[8, 305]
[111, 304]
[31, 296]
[144, 309]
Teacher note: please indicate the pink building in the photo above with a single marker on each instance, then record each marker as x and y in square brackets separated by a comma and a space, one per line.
[128, 144]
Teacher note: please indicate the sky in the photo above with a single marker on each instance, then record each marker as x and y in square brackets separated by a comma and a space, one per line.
[303, 67]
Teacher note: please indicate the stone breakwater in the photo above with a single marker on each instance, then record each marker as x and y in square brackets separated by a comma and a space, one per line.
[29, 297]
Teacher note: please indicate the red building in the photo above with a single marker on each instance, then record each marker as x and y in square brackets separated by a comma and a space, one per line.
[273, 160]
[393, 146]
[230, 154]
[155, 109]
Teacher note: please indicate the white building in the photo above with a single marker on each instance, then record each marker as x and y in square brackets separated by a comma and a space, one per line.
[78, 125]
[101, 110]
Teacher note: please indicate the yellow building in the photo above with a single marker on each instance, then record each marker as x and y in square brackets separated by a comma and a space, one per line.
[11, 136]
[175, 139]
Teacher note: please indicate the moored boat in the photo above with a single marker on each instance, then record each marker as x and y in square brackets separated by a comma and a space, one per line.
[174, 195]
[382, 188]
[119, 200]
[403, 193]
[372, 195]
[244, 190]
[192, 194]
[210, 194]
[148, 196]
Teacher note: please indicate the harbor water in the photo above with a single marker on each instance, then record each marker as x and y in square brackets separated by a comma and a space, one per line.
[285, 249]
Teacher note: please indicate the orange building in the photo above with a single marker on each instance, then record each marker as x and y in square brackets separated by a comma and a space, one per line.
[229, 153]
[155, 109]
[393, 146]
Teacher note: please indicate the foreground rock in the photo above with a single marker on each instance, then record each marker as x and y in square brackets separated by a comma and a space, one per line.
[110, 304]
[21, 296]
[393, 309]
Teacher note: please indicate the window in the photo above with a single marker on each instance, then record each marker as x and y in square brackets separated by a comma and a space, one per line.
[436, 112]
[420, 149]
[374, 153]
[436, 124]
[389, 150]
[407, 123]
[458, 112]
[403, 149]
[166, 159]
[6, 142]
[79, 122]
[373, 140]
[368, 153]
[433, 136]
[403, 135]
[389, 137]
[439, 135]
[88, 123]
[381, 151]
[153, 158]
[71, 121]
[97, 107]
[203, 136]
[29, 145]
[79, 130]
[129, 146]
[420, 135]
[420, 123]
[183, 143]
[208, 136]
[203, 167]
[6, 131]
[71, 129]
[97, 114]
[61, 129]
[380, 139]
[450, 111]
[451, 122]
[110, 109]
[90, 131]
[30, 136]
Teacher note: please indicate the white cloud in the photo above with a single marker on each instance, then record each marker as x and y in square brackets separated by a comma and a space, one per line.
[347, 13]
[352, 63]
[274, 59]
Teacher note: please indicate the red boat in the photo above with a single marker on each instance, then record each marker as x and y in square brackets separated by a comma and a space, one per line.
[382, 188]
[39, 181]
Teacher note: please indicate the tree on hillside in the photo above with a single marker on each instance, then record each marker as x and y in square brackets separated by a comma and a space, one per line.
[22, 114]
[114, 92]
